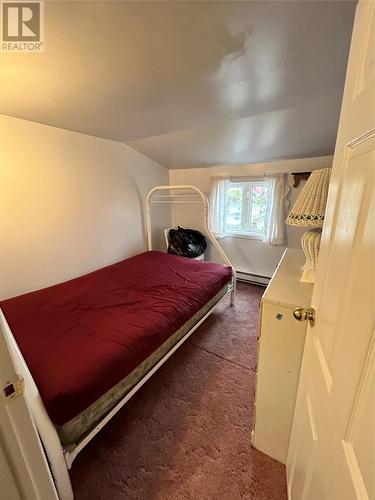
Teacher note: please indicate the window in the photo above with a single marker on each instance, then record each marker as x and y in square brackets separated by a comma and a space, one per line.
[246, 208]
[254, 208]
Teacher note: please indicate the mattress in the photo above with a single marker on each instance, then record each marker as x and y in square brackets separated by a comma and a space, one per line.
[75, 429]
[82, 337]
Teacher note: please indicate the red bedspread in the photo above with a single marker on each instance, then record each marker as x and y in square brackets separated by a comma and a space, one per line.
[81, 337]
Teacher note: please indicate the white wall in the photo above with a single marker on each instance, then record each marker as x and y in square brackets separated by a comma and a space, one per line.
[69, 204]
[247, 255]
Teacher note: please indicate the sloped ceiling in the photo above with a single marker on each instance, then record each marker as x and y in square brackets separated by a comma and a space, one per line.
[189, 83]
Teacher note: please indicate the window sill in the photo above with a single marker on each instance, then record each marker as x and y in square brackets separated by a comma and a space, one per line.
[245, 236]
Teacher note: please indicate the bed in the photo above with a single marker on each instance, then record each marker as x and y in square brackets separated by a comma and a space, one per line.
[85, 346]
[89, 340]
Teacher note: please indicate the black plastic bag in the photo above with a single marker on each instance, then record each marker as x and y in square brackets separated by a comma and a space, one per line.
[187, 242]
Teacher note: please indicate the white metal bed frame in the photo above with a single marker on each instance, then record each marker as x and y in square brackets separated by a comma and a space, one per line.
[198, 197]
[59, 457]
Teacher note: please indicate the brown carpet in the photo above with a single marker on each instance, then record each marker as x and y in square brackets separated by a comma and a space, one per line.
[186, 433]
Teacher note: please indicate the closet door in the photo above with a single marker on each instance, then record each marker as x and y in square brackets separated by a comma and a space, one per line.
[23, 467]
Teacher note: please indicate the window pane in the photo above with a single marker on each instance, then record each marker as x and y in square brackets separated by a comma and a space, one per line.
[258, 207]
[233, 212]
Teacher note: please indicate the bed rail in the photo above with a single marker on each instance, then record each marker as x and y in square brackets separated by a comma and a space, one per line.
[197, 196]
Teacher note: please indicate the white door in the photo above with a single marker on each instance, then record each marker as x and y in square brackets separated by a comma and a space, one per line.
[332, 448]
[24, 471]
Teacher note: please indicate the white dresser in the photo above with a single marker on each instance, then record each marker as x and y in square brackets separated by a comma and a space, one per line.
[280, 347]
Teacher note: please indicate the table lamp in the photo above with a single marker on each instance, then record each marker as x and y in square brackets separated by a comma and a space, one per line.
[308, 211]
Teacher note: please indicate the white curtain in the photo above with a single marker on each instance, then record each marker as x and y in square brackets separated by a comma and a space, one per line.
[217, 206]
[275, 225]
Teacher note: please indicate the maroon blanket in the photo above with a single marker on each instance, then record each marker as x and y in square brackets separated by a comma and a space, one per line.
[81, 337]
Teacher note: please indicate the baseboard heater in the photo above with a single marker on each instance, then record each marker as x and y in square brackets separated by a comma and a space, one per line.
[256, 279]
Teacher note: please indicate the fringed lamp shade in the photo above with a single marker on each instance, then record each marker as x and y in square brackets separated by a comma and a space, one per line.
[308, 211]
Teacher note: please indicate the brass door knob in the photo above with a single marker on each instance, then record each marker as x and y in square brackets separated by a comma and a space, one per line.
[302, 314]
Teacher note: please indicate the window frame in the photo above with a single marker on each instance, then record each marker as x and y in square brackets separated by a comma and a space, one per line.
[245, 209]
